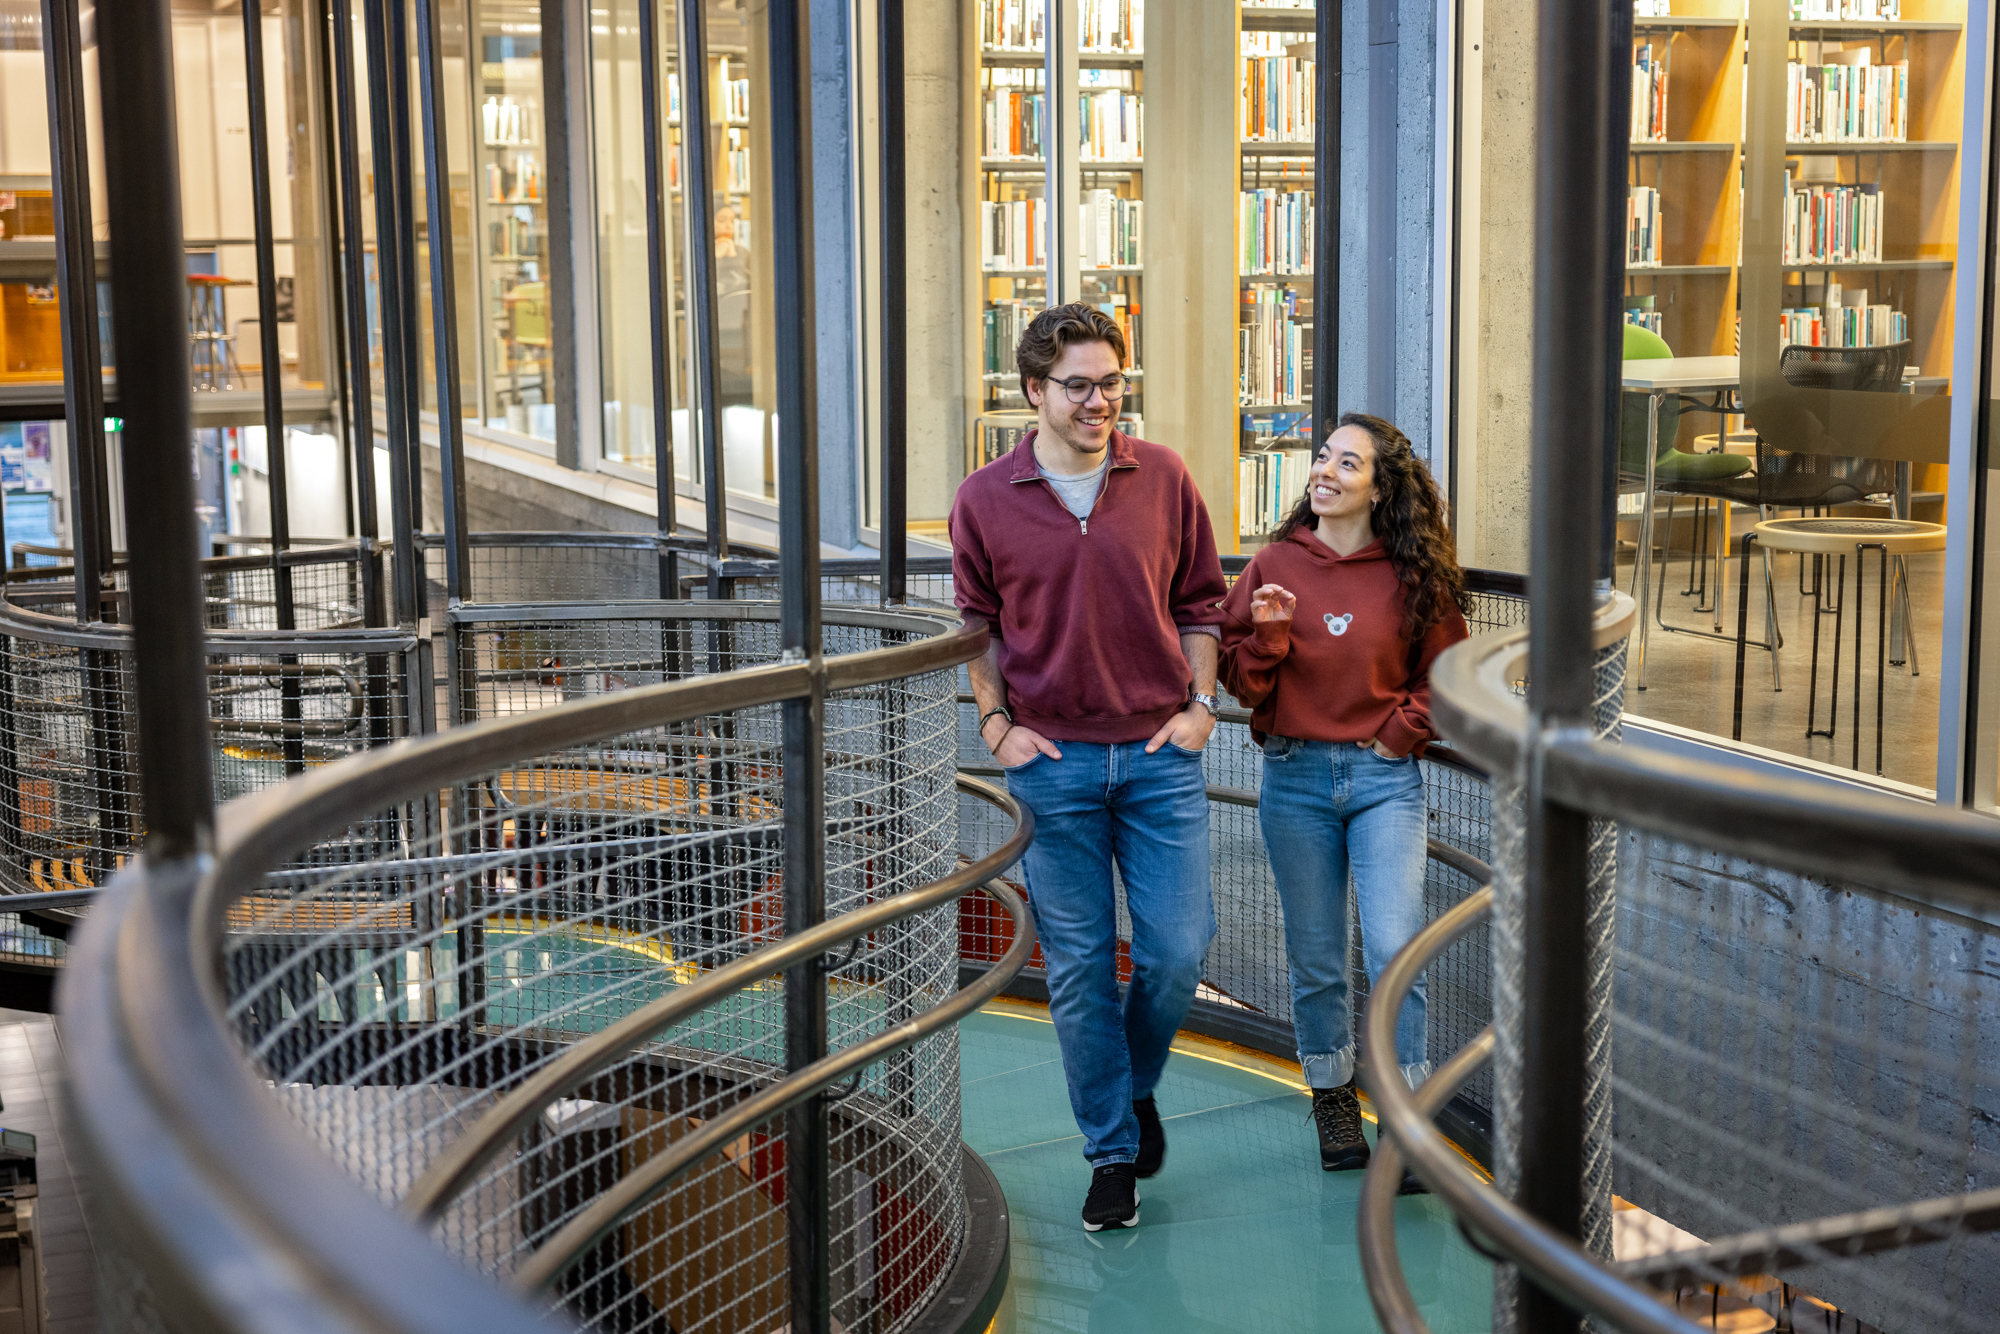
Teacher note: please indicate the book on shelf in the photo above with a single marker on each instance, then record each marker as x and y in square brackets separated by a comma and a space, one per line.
[1274, 346]
[1642, 228]
[1110, 230]
[513, 238]
[1113, 25]
[1124, 313]
[1108, 116]
[1001, 325]
[1274, 230]
[1649, 94]
[1832, 224]
[736, 163]
[1012, 234]
[1269, 483]
[1804, 10]
[735, 96]
[1012, 25]
[1276, 96]
[1011, 107]
[1845, 318]
[673, 97]
[1847, 99]
[1644, 311]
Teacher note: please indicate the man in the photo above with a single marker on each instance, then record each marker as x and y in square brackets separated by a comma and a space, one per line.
[1088, 555]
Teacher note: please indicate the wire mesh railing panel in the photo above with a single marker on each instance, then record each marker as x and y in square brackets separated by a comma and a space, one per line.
[550, 571]
[326, 595]
[1789, 1050]
[524, 908]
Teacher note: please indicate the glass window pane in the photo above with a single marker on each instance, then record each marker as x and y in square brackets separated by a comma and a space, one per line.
[509, 183]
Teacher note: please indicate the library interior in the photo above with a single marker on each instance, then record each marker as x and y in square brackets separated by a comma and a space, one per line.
[551, 820]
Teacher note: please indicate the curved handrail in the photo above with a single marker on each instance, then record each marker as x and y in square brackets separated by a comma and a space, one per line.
[455, 1168]
[174, 1080]
[1555, 1262]
[561, 1252]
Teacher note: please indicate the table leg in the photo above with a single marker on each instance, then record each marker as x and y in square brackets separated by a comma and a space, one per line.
[1742, 633]
[1645, 552]
[1881, 646]
[1860, 571]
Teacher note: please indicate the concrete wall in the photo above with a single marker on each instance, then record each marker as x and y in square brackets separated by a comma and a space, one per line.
[1789, 1049]
[933, 66]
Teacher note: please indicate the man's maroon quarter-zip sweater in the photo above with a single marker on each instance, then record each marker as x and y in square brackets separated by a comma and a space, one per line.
[1088, 613]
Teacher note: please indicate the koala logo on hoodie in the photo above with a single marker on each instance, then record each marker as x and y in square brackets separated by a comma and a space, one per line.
[1338, 624]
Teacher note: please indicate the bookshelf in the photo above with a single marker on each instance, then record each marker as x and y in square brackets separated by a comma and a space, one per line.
[1274, 78]
[1102, 178]
[510, 185]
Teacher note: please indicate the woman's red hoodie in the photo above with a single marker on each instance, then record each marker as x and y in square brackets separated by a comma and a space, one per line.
[1340, 669]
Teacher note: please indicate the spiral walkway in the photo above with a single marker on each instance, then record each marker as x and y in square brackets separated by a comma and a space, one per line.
[1239, 1233]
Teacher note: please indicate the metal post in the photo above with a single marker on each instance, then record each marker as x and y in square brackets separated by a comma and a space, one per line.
[389, 241]
[267, 310]
[895, 503]
[149, 310]
[361, 404]
[444, 306]
[1613, 351]
[806, 1157]
[76, 282]
[1572, 167]
[657, 276]
[702, 317]
[409, 336]
[1326, 219]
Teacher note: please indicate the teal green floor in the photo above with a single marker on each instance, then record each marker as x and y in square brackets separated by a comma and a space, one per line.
[1239, 1232]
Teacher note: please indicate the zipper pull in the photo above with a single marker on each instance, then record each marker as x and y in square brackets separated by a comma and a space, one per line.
[1084, 523]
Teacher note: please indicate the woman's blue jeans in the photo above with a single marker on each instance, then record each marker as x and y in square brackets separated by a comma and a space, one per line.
[1329, 808]
[1096, 807]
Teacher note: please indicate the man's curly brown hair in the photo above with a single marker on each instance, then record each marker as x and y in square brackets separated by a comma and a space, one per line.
[1411, 524]
[1056, 328]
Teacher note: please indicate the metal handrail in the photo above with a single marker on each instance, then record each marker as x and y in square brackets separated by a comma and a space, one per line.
[561, 1252]
[585, 1060]
[216, 1168]
[1554, 1261]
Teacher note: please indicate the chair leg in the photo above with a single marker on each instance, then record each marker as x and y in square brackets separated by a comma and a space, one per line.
[1772, 636]
[1721, 545]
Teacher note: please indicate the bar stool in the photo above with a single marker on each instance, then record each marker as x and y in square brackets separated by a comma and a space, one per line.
[211, 356]
[1833, 537]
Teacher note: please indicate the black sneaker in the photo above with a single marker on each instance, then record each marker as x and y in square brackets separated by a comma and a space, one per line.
[1113, 1200]
[1337, 1115]
[1411, 1185]
[1152, 1138]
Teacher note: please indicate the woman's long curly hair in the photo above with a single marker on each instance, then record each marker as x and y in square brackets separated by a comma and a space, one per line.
[1409, 520]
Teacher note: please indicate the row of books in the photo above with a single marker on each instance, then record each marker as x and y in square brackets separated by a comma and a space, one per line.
[1001, 325]
[520, 185]
[1107, 25]
[736, 163]
[1642, 228]
[1844, 325]
[1012, 25]
[1110, 230]
[1833, 224]
[1647, 319]
[1011, 113]
[505, 123]
[1108, 126]
[735, 97]
[1013, 234]
[1274, 346]
[1847, 103]
[1277, 96]
[1803, 10]
[1269, 483]
[1274, 230]
[513, 238]
[1649, 94]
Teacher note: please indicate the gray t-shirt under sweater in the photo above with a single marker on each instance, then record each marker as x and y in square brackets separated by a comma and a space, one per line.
[1079, 493]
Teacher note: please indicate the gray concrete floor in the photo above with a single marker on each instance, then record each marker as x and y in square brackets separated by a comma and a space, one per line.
[1690, 681]
[31, 1069]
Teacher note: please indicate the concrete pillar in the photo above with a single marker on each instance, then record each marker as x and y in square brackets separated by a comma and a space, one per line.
[835, 264]
[940, 284]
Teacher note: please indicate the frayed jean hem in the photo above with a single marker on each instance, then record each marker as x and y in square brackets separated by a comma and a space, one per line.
[1331, 1069]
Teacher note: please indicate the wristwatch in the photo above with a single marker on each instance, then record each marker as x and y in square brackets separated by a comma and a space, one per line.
[1207, 702]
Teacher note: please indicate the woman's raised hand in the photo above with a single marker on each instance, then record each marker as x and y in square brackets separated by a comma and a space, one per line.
[1272, 602]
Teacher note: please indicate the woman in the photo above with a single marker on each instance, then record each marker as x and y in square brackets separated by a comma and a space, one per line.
[1329, 641]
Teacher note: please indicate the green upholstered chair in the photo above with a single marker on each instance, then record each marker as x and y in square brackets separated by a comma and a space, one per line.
[1671, 465]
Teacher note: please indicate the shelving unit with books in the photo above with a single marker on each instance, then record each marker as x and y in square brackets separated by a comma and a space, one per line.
[509, 185]
[1275, 79]
[1011, 196]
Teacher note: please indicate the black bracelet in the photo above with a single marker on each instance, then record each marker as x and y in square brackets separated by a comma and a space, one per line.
[984, 718]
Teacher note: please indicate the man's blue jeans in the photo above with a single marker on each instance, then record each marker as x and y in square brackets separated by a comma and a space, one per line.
[1328, 807]
[1097, 806]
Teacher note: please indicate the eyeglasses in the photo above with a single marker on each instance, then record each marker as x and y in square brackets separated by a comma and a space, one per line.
[1079, 389]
